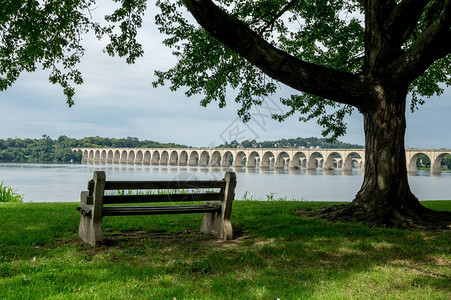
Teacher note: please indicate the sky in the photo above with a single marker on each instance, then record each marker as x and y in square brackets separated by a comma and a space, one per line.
[117, 100]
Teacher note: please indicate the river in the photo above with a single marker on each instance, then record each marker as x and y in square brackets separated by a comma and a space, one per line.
[63, 182]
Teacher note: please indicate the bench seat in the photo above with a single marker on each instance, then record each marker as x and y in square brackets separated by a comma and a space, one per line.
[159, 210]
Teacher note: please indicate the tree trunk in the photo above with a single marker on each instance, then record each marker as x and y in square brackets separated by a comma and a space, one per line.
[385, 198]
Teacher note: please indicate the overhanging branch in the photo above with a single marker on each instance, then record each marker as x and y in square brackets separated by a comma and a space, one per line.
[404, 18]
[338, 86]
[277, 16]
[430, 46]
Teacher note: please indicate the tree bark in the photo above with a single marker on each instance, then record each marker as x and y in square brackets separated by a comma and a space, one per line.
[385, 184]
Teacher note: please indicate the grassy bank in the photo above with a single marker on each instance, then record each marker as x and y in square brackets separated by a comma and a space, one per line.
[276, 254]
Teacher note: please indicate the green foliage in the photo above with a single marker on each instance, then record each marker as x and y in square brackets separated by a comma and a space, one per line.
[208, 67]
[49, 33]
[129, 16]
[423, 161]
[446, 162]
[46, 32]
[8, 194]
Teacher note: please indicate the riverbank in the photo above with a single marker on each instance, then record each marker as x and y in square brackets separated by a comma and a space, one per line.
[275, 254]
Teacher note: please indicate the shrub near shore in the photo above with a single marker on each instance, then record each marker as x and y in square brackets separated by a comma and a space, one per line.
[8, 194]
[276, 253]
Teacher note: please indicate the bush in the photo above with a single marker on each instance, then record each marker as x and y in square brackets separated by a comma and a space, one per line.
[7, 194]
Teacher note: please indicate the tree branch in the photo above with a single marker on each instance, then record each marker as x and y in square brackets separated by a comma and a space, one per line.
[430, 46]
[338, 86]
[404, 18]
[278, 15]
[377, 42]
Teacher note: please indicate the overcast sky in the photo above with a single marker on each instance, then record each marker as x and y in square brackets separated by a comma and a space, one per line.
[118, 100]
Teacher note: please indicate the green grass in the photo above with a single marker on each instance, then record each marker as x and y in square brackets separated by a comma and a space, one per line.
[276, 254]
[8, 194]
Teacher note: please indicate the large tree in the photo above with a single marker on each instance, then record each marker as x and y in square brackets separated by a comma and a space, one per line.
[340, 55]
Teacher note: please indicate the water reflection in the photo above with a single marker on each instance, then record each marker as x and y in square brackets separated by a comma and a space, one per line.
[52, 182]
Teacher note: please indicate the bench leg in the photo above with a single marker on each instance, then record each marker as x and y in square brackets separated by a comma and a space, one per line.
[215, 224]
[219, 223]
[90, 231]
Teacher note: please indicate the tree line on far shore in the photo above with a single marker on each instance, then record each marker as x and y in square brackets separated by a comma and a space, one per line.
[311, 142]
[45, 149]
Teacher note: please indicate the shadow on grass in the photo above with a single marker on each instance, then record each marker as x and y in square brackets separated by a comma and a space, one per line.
[275, 253]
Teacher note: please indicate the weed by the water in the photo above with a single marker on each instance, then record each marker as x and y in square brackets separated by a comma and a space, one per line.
[8, 194]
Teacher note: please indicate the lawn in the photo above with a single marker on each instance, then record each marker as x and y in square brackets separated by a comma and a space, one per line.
[276, 254]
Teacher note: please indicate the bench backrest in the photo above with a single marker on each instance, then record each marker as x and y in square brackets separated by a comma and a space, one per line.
[98, 185]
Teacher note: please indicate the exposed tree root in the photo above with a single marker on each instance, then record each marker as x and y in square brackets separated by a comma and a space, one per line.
[418, 218]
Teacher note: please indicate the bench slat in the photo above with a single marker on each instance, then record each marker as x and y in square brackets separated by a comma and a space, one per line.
[117, 199]
[158, 210]
[143, 185]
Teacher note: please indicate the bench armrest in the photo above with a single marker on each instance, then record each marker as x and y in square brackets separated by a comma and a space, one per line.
[86, 210]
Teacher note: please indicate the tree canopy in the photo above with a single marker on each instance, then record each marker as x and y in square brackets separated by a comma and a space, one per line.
[330, 34]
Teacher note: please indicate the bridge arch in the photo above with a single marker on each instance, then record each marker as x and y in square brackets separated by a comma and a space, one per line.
[227, 159]
[267, 160]
[330, 161]
[97, 157]
[109, 157]
[314, 160]
[90, 159]
[298, 160]
[116, 157]
[349, 161]
[139, 159]
[183, 159]
[102, 157]
[155, 158]
[436, 167]
[239, 160]
[412, 164]
[204, 159]
[282, 160]
[193, 158]
[131, 157]
[253, 160]
[85, 156]
[147, 158]
[164, 158]
[174, 158]
[124, 155]
[215, 159]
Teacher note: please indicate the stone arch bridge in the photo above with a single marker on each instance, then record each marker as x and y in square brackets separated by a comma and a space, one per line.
[263, 158]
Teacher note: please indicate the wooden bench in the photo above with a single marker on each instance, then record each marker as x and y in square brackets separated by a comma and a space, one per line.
[217, 207]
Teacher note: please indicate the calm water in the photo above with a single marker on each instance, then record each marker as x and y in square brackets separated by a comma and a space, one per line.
[63, 183]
